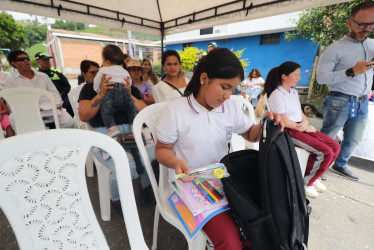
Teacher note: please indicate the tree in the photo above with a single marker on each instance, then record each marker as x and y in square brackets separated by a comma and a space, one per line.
[35, 32]
[68, 25]
[323, 25]
[12, 35]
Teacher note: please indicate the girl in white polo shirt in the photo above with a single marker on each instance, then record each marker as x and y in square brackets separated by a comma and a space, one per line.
[284, 99]
[195, 130]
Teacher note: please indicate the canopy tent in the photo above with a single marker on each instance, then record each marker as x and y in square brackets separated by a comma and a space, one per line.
[160, 17]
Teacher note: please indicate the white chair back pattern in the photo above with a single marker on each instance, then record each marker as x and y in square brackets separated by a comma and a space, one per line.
[24, 105]
[44, 193]
[237, 141]
[150, 116]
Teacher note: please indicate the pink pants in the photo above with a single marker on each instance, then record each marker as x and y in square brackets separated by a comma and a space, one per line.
[4, 121]
[323, 152]
[223, 232]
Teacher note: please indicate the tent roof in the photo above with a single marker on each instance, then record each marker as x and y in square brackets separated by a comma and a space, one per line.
[160, 17]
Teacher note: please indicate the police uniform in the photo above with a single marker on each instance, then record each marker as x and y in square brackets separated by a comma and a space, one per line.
[60, 81]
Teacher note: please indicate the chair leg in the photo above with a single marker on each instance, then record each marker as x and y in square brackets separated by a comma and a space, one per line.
[155, 229]
[103, 176]
[89, 164]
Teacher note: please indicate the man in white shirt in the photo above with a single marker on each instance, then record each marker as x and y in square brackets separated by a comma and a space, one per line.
[25, 76]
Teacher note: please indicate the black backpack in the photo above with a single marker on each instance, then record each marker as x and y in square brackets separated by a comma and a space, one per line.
[265, 191]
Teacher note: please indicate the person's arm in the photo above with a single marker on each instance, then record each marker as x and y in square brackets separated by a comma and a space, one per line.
[87, 109]
[148, 98]
[166, 157]
[65, 83]
[53, 90]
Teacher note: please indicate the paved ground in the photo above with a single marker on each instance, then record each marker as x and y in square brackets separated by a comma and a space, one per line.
[342, 218]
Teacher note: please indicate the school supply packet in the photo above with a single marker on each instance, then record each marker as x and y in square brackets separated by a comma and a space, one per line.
[205, 192]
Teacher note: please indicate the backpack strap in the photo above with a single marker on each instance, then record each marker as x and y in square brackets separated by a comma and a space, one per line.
[171, 85]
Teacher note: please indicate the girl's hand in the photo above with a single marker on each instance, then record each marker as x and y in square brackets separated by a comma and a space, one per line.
[127, 84]
[105, 85]
[311, 129]
[277, 119]
[302, 126]
[181, 167]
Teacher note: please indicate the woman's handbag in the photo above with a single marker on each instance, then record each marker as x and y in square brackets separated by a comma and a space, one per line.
[127, 141]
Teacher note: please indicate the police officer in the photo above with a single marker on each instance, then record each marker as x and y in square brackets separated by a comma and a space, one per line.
[59, 80]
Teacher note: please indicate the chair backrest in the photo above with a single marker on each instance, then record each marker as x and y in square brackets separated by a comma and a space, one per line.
[73, 98]
[246, 106]
[24, 105]
[44, 192]
[150, 116]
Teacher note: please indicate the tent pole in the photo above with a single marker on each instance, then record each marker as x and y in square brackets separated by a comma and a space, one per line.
[162, 51]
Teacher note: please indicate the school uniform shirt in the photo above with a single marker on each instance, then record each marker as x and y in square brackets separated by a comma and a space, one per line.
[282, 102]
[200, 137]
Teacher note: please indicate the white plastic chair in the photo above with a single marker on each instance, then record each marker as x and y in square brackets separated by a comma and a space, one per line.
[24, 105]
[237, 141]
[302, 154]
[150, 116]
[44, 193]
[73, 101]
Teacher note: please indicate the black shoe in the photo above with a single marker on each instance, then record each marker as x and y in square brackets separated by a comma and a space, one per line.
[345, 172]
[324, 177]
[117, 206]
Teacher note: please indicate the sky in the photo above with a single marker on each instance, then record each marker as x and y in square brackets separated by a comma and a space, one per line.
[21, 16]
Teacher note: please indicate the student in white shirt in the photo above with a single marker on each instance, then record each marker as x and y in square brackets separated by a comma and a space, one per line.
[119, 97]
[284, 99]
[195, 130]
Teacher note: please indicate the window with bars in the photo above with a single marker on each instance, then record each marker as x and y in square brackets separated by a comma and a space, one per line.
[270, 39]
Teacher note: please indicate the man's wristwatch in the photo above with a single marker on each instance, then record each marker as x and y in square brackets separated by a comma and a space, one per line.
[350, 72]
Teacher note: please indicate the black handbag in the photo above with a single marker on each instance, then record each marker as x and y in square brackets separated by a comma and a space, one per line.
[127, 141]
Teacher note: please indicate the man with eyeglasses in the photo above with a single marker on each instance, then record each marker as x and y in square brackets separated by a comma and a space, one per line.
[346, 67]
[59, 80]
[25, 76]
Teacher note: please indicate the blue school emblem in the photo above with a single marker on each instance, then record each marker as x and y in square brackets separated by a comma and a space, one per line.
[228, 132]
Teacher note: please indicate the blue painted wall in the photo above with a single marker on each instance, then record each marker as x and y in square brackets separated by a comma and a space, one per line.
[265, 57]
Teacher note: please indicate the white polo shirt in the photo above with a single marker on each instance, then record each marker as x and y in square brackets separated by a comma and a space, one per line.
[282, 102]
[200, 137]
[40, 80]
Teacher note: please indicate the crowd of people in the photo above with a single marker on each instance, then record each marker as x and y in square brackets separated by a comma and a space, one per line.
[111, 96]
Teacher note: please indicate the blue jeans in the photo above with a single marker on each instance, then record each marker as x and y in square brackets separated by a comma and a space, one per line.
[144, 180]
[253, 94]
[335, 112]
[117, 99]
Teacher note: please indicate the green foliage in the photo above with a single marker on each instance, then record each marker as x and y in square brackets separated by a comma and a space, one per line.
[68, 25]
[157, 68]
[39, 47]
[12, 35]
[245, 62]
[188, 58]
[323, 25]
[35, 31]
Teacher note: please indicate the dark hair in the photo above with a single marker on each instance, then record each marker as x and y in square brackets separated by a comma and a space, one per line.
[113, 54]
[362, 6]
[151, 74]
[274, 77]
[12, 56]
[219, 63]
[258, 74]
[168, 53]
[86, 64]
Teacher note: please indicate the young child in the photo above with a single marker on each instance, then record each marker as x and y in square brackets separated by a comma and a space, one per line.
[4, 119]
[118, 98]
[284, 99]
[195, 130]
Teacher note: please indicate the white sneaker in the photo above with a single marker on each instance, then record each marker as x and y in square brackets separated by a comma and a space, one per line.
[319, 186]
[311, 192]
[113, 132]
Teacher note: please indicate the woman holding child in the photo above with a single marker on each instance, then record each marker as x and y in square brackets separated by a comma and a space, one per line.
[194, 131]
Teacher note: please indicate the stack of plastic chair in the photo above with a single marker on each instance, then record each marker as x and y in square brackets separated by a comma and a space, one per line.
[24, 105]
[237, 141]
[150, 116]
[44, 192]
